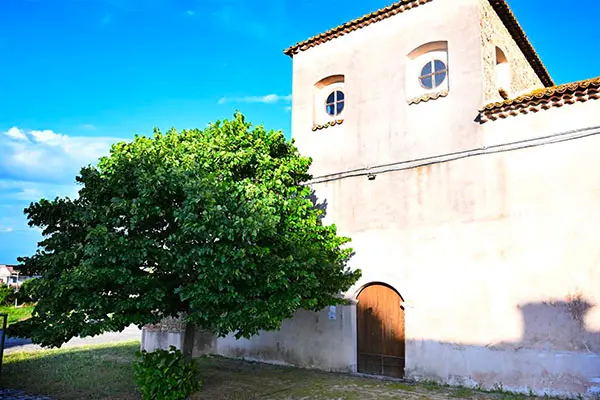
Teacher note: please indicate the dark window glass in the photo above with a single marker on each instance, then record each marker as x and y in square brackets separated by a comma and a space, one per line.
[426, 82]
[330, 109]
[433, 74]
[335, 103]
[439, 66]
[331, 98]
[426, 69]
[439, 78]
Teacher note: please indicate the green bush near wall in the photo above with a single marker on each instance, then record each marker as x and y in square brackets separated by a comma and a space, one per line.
[165, 375]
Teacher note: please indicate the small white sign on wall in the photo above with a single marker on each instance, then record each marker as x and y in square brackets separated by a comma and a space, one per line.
[332, 312]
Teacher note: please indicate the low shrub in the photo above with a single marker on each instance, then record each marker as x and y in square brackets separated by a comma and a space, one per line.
[165, 375]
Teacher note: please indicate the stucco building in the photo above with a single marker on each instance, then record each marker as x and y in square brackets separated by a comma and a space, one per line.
[11, 276]
[467, 181]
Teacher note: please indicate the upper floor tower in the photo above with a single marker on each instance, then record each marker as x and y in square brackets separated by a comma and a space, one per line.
[406, 81]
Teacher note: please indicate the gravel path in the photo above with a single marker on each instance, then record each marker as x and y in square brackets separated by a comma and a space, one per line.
[128, 334]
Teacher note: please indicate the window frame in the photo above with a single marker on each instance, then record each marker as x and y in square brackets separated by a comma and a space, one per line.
[323, 89]
[417, 60]
[335, 103]
[433, 74]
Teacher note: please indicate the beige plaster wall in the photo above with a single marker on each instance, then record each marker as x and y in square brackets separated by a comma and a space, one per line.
[380, 126]
[324, 340]
[495, 34]
[569, 117]
[310, 340]
[496, 255]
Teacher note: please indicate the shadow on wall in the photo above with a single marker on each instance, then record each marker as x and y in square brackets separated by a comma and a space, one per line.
[319, 206]
[557, 355]
[558, 325]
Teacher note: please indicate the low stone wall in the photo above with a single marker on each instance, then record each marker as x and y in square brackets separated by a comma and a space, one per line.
[327, 341]
[170, 332]
[310, 340]
[324, 340]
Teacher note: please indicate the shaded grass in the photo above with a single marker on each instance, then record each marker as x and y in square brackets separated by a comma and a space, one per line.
[105, 372]
[16, 314]
[94, 372]
[463, 393]
[402, 386]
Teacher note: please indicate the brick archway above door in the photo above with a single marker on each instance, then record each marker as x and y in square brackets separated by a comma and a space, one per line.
[380, 332]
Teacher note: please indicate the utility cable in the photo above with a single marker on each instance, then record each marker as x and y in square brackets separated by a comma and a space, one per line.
[409, 164]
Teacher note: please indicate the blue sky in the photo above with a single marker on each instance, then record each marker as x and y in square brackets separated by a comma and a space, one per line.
[78, 75]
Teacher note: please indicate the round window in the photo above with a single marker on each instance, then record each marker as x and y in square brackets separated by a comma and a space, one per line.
[335, 103]
[433, 74]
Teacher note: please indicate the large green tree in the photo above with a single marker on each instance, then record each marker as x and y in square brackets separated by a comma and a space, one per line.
[213, 224]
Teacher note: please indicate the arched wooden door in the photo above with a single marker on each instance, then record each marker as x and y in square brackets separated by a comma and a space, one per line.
[380, 332]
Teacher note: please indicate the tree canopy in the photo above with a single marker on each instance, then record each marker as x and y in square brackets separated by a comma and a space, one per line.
[216, 224]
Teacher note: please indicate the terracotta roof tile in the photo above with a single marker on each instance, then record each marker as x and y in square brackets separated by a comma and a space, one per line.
[543, 99]
[354, 25]
[501, 7]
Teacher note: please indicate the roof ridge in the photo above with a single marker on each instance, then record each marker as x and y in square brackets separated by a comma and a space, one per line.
[500, 6]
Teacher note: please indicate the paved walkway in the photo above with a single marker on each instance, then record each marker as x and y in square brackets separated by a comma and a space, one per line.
[129, 334]
[10, 394]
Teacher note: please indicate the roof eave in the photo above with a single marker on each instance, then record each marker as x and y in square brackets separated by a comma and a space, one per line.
[568, 93]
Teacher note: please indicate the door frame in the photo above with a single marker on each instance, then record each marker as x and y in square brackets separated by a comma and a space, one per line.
[355, 302]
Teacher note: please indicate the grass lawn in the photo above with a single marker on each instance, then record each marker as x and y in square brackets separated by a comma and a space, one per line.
[94, 372]
[104, 372]
[16, 313]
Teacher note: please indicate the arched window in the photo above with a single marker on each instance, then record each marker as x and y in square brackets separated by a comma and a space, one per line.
[335, 103]
[433, 74]
[427, 69]
[329, 100]
[503, 78]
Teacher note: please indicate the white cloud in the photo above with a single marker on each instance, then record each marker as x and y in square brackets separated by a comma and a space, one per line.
[16, 133]
[267, 99]
[48, 137]
[6, 229]
[191, 13]
[88, 127]
[47, 156]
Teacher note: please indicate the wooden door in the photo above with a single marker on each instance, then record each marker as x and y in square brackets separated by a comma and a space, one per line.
[380, 332]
